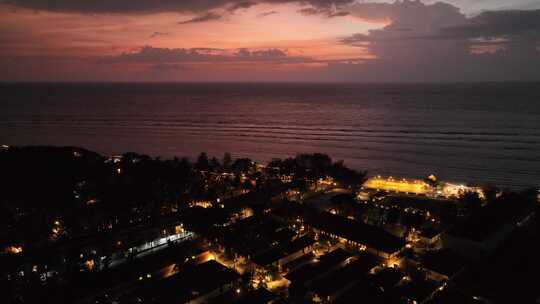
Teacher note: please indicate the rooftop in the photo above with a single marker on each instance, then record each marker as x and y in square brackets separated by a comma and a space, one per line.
[369, 293]
[191, 282]
[388, 277]
[356, 231]
[354, 271]
[281, 251]
[443, 261]
[416, 290]
[319, 267]
[258, 296]
[429, 232]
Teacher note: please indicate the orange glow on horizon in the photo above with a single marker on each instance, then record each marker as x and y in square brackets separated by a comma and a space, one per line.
[85, 36]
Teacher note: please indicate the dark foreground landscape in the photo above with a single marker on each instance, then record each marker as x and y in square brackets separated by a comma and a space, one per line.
[79, 227]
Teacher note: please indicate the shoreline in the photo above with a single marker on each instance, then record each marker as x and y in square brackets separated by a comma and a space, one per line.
[370, 175]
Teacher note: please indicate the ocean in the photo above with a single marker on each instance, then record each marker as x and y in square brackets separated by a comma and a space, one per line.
[479, 133]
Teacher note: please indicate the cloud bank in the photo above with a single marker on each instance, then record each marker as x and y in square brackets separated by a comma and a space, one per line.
[438, 43]
[210, 16]
[155, 55]
[412, 41]
[152, 6]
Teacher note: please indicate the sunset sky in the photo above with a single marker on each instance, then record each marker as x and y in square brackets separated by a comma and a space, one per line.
[269, 40]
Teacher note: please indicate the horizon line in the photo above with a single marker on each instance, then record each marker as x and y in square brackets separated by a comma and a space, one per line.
[272, 82]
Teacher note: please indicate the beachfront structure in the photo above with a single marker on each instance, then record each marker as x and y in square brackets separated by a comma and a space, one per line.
[420, 187]
[457, 190]
[391, 184]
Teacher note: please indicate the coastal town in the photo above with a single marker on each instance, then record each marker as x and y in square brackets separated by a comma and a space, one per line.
[79, 227]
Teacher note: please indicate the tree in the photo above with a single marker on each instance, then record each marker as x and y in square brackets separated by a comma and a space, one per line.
[202, 163]
[490, 192]
[227, 161]
[471, 199]
[344, 203]
[214, 164]
[347, 177]
[393, 215]
[432, 181]
[243, 165]
[275, 167]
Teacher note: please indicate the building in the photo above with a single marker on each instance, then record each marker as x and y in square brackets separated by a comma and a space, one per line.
[318, 268]
[356, 234]
[420, 187]
[441, 265]
[194, 285]
[330, 287]
[391, 184]
[484, 231]
[280, 255]
[258, 296]
[457, 190]
[429, 237]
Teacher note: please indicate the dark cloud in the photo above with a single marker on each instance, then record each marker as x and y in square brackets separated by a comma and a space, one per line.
[157, 34]
[325, 11]
[264, 54]
[421, 42]
[208, 50]
[415, 21]
[241, 5]
[438, 43]
[410, 14]
[498, 23]
[149, 6]
[265, 14]
[409, 20]
[210, 16]
[149, 54]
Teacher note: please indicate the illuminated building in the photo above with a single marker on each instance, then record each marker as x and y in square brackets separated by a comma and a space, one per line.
[14, 249]
[356, 234]
[203, 204]
[198, 284]
[280, 255]
[419, 187]
[391, 184]
[320, 267]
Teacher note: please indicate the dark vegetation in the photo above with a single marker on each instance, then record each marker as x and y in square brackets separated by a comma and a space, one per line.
[90, 193]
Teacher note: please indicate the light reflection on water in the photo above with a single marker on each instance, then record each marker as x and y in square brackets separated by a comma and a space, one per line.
[483, 132]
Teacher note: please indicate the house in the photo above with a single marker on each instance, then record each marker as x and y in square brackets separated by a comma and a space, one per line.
[429, 236]
[387, 278]
[282, 254]
[356, 234]
[320, 267]
[193, 285]
[329, 288]
[364, 292]
[441, 265]
[258, 296]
